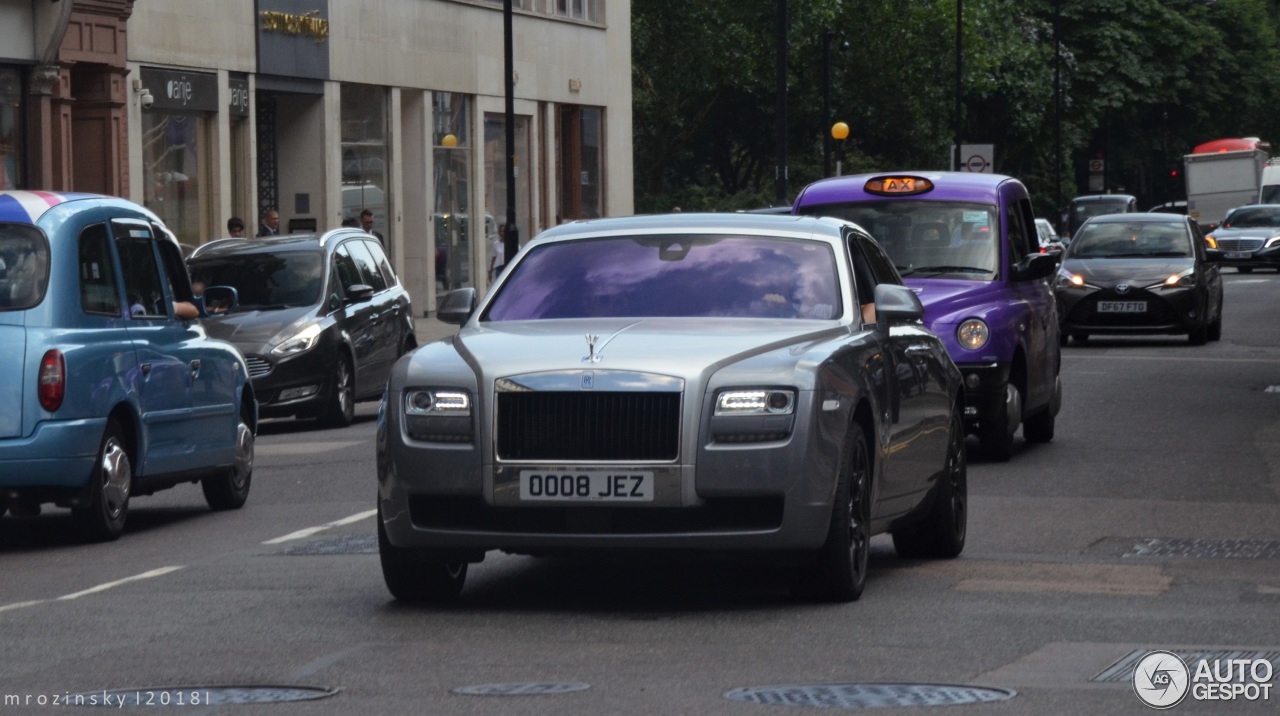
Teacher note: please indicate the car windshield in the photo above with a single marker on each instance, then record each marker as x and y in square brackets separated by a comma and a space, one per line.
[264, 281]
[1253, 218]
[929, 239]
[672, 276]
[1130, 240]
[24, 266]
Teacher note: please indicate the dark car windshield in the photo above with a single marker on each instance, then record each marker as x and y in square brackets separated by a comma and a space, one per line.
[1253, 218]
[727, 276]
[24, 266]
[929, 239]
[1130, 240]
[264, 281]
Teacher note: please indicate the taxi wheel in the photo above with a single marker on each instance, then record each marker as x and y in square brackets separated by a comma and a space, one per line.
[942, 533]
[230, 489]
[996, 433]
[413, 576]
[1198, 336]
[342, 399]
[842, 563]
[1215, 329]
[103, 519]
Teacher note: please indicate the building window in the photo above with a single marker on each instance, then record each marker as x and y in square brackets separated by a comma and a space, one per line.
[455, 238]
[580, 162]
[11, 113]
[175, 165]
[364, 153]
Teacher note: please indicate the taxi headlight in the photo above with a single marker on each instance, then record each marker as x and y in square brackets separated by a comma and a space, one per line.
[973, 334]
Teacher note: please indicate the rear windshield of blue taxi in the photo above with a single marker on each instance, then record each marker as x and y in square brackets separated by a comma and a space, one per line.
[672, 276]
[24, 266]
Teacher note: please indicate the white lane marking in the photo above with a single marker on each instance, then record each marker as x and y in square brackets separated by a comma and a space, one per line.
[93, 590]
[104, 587]
[308, 531]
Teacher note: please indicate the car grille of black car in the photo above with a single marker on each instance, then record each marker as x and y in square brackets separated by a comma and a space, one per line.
[258, 366]
[1239, 244]
[1158, 313]
[585, 425]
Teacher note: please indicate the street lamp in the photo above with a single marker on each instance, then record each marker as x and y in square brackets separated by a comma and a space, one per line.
[826, 95]
[840, 132]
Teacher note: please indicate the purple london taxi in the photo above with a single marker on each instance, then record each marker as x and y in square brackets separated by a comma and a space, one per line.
[966, 243]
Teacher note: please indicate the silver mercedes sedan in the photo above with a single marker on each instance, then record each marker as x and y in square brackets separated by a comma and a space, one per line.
[721, 382]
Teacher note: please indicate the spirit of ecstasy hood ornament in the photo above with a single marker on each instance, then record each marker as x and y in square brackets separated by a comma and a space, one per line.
[591, 356]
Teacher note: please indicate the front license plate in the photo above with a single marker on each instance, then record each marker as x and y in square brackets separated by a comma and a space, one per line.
[1238, 254]
[587, 486]
[1122, 306]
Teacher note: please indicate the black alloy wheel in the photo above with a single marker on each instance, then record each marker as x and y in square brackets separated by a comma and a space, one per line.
[841, 573]
[941, 534]
[417, 576]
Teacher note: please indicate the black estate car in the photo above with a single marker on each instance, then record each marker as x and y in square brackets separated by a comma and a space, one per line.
[1140, 274]
[321, 318]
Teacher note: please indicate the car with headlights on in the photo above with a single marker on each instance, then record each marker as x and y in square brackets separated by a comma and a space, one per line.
[110, 387]
[967, 244]
[321, 320]
[1140, 274]
[1249, 237]
[740, 383]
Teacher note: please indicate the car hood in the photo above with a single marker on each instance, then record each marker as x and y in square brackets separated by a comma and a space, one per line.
[1261, 232]
[680, 347]
[13, 346]
[943, 297]
[1139, 272]
[251, 330]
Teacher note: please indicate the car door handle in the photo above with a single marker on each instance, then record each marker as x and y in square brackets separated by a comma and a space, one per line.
[919, 351]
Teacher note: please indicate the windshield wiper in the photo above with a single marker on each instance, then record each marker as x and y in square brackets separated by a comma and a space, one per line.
[947, 269]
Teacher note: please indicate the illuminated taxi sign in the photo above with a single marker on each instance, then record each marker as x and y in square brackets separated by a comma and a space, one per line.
[898, 186]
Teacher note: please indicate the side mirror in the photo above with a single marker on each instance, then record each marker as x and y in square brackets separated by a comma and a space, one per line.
[897, 304]
[217, 300]
[457, 306]
[359, 293]
[1035, 267]
[1214, 256]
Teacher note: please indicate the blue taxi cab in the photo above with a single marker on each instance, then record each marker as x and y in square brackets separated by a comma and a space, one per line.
[109, 386]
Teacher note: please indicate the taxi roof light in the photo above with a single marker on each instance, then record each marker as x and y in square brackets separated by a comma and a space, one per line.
[898, 185]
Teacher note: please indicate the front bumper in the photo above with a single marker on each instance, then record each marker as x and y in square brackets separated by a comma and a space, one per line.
[58, 455]
[1168, 312]
[301, 385]
[986, 391]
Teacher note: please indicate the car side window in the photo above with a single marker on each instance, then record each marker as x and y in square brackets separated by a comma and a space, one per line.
[143, 284]
[348, 274]
[99, 292]
[1019, 218]
[880, 263]
[380, 257]
[175, 270]
[368, 268]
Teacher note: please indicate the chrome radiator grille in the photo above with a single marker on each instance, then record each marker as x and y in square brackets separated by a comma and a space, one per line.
[1239, 244]
[588, 425]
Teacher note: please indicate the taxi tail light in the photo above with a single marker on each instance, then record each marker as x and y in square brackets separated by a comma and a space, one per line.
[52, 382]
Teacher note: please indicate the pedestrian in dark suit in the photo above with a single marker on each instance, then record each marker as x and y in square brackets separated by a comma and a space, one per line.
[270, 225]
[366, 223]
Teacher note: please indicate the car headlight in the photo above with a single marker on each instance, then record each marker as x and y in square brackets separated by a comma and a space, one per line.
[1066, 279]
[453, 403]
[764, 401]
[973, 334]
[300, 342]
[1182, 279]
[1272, 242]
[1211, 242]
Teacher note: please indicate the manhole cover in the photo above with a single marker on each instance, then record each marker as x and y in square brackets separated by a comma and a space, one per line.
[345, 544]
[867, 696]
[198, 696]
[1122, 670]
[1206, 548]
[537, 688]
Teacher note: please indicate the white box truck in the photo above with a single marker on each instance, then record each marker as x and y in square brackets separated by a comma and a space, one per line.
[1270, 192]
[1222, 175]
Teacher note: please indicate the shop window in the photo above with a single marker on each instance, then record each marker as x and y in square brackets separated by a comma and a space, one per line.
[175, 163]
[364, 153]
[451, 210]
[11, 109]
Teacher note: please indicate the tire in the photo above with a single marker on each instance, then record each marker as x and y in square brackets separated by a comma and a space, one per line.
[109, 487]
[415, 576]
[1245, 269]
[1039, 427]
[1080, 337]
[996, 433]
[941, 534]
[1199, 336]
[1215, 330]
[841, 572]
[230, 489]
[342, 399]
